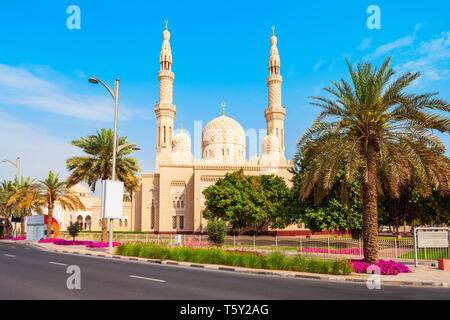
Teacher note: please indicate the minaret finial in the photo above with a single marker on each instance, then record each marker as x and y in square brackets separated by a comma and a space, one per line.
[166, 23]
[181, 125]
[223, 108]
[273, 30]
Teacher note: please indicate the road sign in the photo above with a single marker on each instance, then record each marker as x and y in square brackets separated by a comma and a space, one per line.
[112, 199]
[436, 239]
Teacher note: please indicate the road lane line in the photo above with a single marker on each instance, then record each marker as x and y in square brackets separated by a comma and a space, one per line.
[10, 255]
[150, 279]
[57, 263]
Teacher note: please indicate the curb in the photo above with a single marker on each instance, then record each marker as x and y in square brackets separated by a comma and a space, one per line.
[251, 271]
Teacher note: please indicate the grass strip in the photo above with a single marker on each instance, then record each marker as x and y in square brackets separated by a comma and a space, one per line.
[214, 255]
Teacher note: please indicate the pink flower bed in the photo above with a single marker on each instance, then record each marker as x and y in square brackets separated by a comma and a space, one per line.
[47, 240]
[352, 251]
[64, 242]
[101, 244]
[386, 267]
[18, 238]
[89, 244]
[194, 244]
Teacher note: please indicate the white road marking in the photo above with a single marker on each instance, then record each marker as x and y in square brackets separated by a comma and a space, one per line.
[57, 263]
[10, 255]
[151, 279]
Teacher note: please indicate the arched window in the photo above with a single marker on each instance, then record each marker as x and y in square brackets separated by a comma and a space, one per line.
[164, 128]
[174, 222]
[181, 222]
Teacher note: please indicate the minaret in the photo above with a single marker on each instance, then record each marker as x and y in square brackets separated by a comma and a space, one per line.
[275, 112]
[165, 110]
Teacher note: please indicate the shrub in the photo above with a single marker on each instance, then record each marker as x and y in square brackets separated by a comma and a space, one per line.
[278, 261]
[217, 230]
[74, 229]
[248, 259]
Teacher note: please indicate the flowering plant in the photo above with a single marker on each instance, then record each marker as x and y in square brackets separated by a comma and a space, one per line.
[18, 238]
[352, 251]
[101, 244]
[194, 244]
[386, 267]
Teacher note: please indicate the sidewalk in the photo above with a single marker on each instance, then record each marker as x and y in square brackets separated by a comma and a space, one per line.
[423, 275]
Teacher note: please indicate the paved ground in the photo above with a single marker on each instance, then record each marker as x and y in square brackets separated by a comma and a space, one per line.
[424, 274]
[29, 273]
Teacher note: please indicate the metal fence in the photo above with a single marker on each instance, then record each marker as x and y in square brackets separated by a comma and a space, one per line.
[320, 247]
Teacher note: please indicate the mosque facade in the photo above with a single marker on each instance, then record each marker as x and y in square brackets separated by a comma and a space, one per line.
[171, 199]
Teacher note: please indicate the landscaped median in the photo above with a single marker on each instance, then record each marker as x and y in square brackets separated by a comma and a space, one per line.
[246, 259]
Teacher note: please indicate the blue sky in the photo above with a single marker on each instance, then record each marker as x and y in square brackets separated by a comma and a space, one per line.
[220, 53]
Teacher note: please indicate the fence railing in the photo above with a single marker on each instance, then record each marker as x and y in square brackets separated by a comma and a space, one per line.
[321, 247]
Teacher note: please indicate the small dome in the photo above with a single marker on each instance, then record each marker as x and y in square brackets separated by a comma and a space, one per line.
[80, 190]
[181, 142]
[270, 144]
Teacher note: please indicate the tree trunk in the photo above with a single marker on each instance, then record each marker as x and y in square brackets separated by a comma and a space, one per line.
[50, 220]
[5, 227]
[22, 224]
[370, 213]
[104, 230]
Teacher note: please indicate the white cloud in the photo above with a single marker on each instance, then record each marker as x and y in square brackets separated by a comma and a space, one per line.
[43, 89]
[431, 58]
[39, 151]
[318, 64]
[384, 49]
[365, 43]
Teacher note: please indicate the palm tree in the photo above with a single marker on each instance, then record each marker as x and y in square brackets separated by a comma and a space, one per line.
[97, 164]
[7, 189]
[377, 128]
[48, 192]
[24, 186]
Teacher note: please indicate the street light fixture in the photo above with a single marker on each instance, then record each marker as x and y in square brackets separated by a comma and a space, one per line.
[115, 96]
[16, 164]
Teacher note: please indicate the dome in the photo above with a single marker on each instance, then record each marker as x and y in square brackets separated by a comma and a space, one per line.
[80, 190]
[223, 129]
[223, 139]
[181, 142]
[270, 144]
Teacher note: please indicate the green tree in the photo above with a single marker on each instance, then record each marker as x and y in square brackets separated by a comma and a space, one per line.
[48, 192]
[375, 125]
[97, 164]
[217, 230]
[74, 229]
[7, 189]
[24, 186]
[246, 201]
[339, 210]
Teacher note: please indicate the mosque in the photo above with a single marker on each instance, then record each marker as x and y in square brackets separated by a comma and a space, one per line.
[170, 200]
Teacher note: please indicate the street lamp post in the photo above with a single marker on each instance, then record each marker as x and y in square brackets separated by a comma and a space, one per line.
[115, 96]
[17, 165]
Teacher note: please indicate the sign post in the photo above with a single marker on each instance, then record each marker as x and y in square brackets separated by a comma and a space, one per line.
[430, 237]
[112, 202]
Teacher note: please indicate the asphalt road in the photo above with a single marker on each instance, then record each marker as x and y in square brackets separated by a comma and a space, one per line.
[29, 273]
